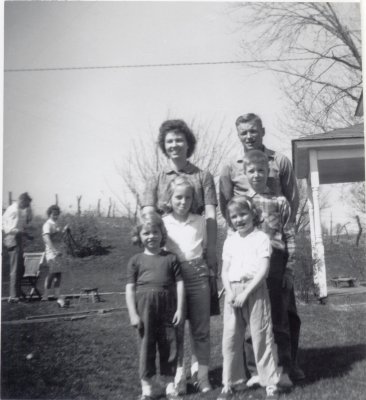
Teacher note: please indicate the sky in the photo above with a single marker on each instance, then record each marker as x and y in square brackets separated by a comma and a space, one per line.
[66, 132]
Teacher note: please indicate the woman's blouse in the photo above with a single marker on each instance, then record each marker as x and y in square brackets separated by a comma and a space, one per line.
[204, 188]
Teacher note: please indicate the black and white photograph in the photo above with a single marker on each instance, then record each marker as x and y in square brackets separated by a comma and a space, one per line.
[183, 200]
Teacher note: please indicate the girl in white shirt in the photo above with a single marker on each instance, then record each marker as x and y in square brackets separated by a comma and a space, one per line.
[246, 255]
[187, 239]
[52, 238]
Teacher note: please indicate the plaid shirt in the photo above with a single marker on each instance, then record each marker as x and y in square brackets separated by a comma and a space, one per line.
[281, 180]
[156, 193]
[276, 217]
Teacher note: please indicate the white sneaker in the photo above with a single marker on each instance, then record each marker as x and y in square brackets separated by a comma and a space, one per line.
[253, 381]
[272, 392]
[285, 381]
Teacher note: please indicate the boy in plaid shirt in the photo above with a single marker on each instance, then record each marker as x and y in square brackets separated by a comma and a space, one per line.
[276, 217]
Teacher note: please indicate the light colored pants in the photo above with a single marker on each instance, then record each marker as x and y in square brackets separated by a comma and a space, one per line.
[257, 313]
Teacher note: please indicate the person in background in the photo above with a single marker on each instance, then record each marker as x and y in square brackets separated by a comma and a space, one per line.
[52, 238]
[155, 297]
[16, 220]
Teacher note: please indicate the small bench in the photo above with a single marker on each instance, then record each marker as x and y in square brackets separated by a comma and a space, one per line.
[89, 293]
[337, 282]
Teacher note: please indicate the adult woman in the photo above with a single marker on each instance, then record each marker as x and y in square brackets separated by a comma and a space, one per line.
[177, 142]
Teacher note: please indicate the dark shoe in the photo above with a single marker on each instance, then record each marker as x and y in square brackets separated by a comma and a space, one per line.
[146, 397]
[13, 300]
[285, 381]
[297, 374]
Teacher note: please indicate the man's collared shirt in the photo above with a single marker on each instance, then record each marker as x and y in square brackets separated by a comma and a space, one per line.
[156, 193]
[276, 216]
[281, 180]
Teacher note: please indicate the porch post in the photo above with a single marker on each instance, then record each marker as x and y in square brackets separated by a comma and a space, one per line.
[319, 269]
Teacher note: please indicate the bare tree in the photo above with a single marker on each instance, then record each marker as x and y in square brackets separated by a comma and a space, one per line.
[316, 50]
[145, 160]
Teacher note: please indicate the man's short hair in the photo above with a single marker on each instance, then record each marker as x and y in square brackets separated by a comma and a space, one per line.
[25, 197]
[255, 157]
[249, 118]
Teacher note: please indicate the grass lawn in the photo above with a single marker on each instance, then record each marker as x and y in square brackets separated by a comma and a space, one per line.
[96, 357]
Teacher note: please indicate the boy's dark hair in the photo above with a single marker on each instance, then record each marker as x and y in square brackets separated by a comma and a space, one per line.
[150, 219]
[54, 208]
[177, 126]
[177, 181]
[255, 157]
[251, 117]
[245, 202]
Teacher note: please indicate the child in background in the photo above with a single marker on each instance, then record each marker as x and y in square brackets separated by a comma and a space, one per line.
[276, 215]
[246, 255]
[155, 296]
[52, 238]
[187, 239]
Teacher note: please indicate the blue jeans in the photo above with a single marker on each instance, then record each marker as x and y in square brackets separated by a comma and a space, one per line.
[196, 282]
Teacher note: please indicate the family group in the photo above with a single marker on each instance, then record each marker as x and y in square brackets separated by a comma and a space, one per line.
[16, 222]
[169, 282]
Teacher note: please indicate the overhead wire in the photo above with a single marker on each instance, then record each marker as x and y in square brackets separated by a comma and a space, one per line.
[127, 66]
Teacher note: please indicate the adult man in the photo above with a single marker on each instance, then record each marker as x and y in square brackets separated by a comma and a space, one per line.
[281, 181]
[281, 178]
[15, 220]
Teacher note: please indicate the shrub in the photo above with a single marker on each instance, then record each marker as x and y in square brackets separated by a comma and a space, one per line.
[84, 237]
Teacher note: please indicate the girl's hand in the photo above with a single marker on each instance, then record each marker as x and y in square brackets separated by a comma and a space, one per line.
[177, 319]
[240, 300]
[136, 321]
[230, 298]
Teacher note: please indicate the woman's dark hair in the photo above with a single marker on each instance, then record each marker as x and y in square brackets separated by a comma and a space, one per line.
[244, 202]
[149, 220]
[54, 208]
[177, 126]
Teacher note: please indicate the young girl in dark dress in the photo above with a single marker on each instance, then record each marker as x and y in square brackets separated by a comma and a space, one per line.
[155, 296]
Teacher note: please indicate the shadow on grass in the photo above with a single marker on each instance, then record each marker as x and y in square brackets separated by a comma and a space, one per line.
[317, 363]
[330, 362]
